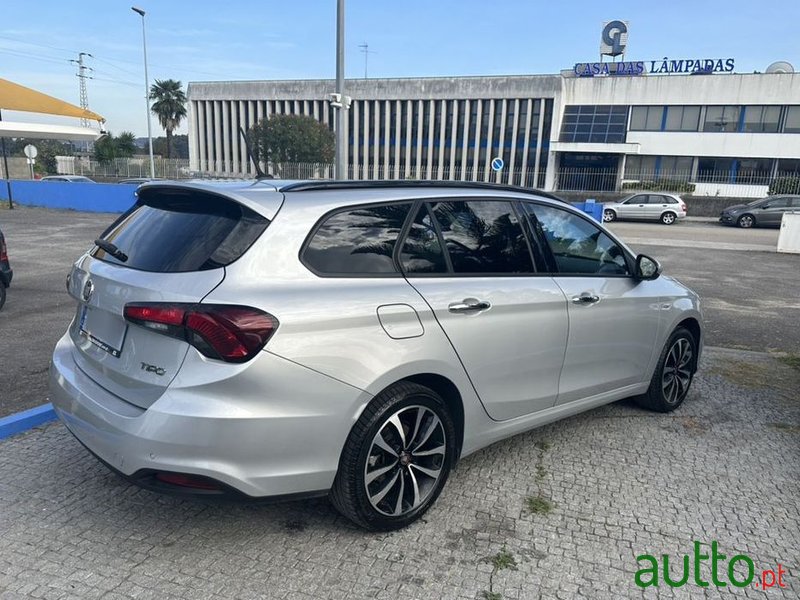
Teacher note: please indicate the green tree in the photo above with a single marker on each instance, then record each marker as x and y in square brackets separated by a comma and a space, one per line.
[108, 147]
[292, 139]
[48, 150]
[179, 146]
[169, 106]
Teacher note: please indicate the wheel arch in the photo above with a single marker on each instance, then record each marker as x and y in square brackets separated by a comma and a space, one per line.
[693, 325]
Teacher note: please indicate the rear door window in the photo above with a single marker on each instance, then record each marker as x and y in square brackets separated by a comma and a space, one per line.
[483, 237]
[178, 230]
[357, 241]
[422, 252]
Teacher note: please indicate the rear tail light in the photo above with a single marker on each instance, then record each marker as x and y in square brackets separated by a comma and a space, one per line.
[3, 251]
[224, 332]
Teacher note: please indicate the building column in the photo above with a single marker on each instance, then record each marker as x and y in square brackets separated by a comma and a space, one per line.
[218, 164]
[234, 119]
[365, 173]
[442, 133]
[355, 133]
[550, 175]
[478, 141]
[502, 146]
[398, 136]
[431, 132]
[526, 142]
[465, 141]
[540, 144]
[409, 118]
[513, 155]
[377, 172]
[387, 136]
[420, 130]
[453, 141]
[197, 150]
[244, 159]
[489, 147]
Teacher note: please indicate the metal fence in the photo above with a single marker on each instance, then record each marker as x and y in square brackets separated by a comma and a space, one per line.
[741, 183]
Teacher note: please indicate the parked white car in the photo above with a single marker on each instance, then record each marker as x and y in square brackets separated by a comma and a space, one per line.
[666, 208]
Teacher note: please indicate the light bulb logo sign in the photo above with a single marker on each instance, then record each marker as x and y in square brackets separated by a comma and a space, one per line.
[614, 39]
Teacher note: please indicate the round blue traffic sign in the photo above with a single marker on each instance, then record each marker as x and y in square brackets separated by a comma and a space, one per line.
[497, 163]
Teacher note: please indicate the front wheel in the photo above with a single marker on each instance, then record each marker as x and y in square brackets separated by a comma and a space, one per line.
[668, 218]
[396, 460]
[674, 374]
[746, 221]
[609, 215]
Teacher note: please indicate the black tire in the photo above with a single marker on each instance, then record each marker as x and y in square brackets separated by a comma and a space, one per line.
[746, 221]
[350, 493]
[609, 216]
[2, 295]
[668, 218]
[660, 396]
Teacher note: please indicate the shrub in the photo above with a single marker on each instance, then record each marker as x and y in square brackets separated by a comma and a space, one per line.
[785, 185]
[659, 185]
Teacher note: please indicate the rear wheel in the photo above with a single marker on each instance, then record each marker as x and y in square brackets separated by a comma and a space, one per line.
[668, 218]
[396, 460]
[746, 221]
[673, 376]
[609, 215]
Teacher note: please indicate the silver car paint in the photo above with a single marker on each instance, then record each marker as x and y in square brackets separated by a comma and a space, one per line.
[625, 209]
[277, 424]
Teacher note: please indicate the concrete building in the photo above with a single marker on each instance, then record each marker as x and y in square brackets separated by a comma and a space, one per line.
[721, 132]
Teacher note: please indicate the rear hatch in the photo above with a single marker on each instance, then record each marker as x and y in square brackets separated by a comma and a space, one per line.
[173, 246]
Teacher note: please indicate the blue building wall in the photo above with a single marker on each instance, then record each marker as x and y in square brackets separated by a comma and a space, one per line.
[88, 197]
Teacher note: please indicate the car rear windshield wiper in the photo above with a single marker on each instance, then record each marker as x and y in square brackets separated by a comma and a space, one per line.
[111, 249]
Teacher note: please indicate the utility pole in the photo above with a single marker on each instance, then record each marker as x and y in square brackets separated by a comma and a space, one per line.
[82, 77]
[141, 13]
[366, 52]
[339, 97]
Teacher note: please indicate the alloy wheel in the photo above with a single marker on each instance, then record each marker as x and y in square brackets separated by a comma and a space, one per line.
[745, 221]
[677, 373]
[405, 461]
[608, 216]
[668, 218]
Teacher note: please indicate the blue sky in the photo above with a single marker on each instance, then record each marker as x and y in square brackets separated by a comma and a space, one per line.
[201, 40]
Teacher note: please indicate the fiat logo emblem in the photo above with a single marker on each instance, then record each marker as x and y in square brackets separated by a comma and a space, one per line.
[88, 290]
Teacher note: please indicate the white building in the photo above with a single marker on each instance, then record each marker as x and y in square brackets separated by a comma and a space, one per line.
[721, 132]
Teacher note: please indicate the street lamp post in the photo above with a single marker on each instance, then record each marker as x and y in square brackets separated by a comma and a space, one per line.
[147, 94]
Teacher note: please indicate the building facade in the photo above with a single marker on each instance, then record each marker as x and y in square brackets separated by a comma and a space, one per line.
[717, 132]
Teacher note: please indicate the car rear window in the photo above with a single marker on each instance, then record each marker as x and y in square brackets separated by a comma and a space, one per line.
[357, 241]
[178, 230]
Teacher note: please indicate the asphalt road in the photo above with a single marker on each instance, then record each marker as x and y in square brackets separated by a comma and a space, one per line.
[751, 298]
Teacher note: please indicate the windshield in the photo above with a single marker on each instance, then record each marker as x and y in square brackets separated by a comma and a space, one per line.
[754, 202]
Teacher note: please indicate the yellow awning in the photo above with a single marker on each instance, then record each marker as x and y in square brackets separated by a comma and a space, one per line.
[17, 97]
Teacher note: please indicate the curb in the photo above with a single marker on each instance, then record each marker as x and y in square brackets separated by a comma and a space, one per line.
[27, 419]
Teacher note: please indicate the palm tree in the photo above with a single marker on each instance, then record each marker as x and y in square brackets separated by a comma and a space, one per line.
[169, 105]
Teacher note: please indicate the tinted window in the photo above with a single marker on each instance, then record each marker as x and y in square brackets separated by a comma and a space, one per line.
[357, 241]
[483, 237]
[777, 203]
[171, 231]
[578, 246]
[422, 252]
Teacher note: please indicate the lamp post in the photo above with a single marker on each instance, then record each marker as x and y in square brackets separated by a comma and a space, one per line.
[141, 13]
[341, 115]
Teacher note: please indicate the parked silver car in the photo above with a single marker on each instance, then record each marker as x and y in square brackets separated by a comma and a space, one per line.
[354, 338]
[651, 206]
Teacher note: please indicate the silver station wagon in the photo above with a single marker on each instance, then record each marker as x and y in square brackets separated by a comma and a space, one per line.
[354, 339]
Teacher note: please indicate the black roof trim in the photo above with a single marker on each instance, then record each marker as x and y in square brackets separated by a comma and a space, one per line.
[306, 186]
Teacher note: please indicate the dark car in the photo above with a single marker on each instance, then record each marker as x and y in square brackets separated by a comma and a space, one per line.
[5, 270]
[764, 211]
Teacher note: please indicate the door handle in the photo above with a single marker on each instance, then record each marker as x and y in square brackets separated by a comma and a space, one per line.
[468, 305]
[585, 298]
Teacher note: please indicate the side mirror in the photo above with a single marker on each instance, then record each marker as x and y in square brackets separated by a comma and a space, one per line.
[647, 268]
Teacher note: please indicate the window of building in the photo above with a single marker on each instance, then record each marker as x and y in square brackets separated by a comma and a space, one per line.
[788, 167]
[578, 246]
[483, 237]
[761, 119]
[675, 166]
[357, 241]
[714, 170]
[754, 171]
[682, 118]
[640, 167]
[602, 124]
[647, 167]
[646, 118]
[722, 118]
[792, 124]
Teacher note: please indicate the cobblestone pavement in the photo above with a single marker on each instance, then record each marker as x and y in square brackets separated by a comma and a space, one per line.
[622, 482]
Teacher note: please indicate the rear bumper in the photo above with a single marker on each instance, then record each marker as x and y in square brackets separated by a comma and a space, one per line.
[6, 274]
[274, 429]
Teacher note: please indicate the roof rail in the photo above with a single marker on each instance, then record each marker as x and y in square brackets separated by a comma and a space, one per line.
[304, 186]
